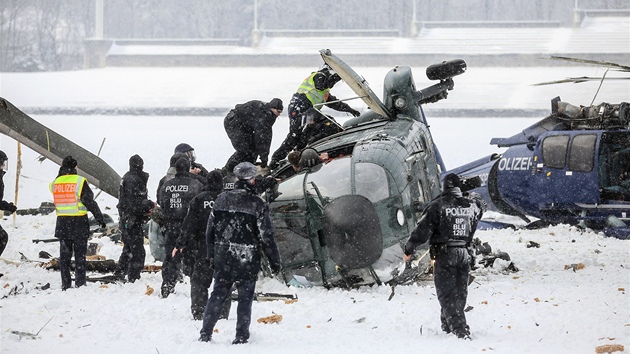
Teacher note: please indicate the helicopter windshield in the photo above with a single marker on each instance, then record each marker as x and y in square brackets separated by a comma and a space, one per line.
[371, 181]
[330, 181]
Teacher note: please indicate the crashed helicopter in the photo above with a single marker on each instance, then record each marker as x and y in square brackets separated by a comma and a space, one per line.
[342, 222]
[571, 167]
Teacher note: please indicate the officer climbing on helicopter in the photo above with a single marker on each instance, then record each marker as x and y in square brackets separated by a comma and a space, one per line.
[313, 92]
[250, 129]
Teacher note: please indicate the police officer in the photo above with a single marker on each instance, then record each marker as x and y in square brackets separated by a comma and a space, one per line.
[240, 230]
[134, 208]
[317, 126]
[173, 198]
[313, 92]
[73, 198]
[170, 173]
[449, 223]
[4, 205]
[195, 167]
[193, 239]
[250, 129]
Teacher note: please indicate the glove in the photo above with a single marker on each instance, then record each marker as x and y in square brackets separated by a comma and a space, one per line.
[273, 165]
[275, 270]
[355, 113]
[11, 208]
[476, 197]
[102, 224]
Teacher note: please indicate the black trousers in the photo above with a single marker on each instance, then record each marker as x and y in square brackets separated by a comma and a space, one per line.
[451, 285]
[4, 239]
[66, 248]
[171, 265]
[200, 282]
[133, 255]
[220, 293]
[242, 154]
[296, 111]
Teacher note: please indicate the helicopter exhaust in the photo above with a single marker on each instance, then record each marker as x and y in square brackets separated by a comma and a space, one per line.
[353, 232]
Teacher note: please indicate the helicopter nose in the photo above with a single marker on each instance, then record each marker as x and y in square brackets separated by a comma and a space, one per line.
[353, 231]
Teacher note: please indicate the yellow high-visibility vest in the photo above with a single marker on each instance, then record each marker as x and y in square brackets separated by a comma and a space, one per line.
[313, 94]
[66, 192]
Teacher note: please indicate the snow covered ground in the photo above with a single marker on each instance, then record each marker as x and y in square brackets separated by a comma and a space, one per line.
[543, 308]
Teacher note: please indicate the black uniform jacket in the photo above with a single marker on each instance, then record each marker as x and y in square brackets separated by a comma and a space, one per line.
[238, 232]
[320, 129]
[449, 219]
[193, 236]
[252, 122]
[175, 194]
[133, 199]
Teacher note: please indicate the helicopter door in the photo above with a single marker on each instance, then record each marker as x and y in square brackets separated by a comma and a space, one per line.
[567, 174]
[614, 166]
[289, 217]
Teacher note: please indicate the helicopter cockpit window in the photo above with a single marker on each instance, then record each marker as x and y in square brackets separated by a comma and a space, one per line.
[291, 188]
[554, 151]
[371, 181]
[582, 154]
[330, 181]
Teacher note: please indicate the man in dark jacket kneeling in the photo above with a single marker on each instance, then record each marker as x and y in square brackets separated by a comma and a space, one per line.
[239, 231]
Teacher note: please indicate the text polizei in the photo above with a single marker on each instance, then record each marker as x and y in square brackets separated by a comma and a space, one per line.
[65, 188]
[515, 164]
[177, 188]
[462, 224]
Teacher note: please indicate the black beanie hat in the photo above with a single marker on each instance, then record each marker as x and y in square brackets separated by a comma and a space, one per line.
[182, 165]
[69, 162]
[276, 103]
[214, 181]
[176, 157]
[136, 162]
[451, 180]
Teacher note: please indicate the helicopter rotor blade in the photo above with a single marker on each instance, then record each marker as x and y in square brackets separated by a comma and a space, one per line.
[577, 80]
[619, 67]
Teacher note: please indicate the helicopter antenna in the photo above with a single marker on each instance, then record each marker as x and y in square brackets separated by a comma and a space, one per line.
[600, 85]
[331, 120]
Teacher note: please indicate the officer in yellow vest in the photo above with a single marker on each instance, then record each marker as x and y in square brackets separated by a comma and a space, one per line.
[73, 198]
[313, 92]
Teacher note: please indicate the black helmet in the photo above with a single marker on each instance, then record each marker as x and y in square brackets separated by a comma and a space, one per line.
[309, 158]
[184, 148]
[320, 80]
